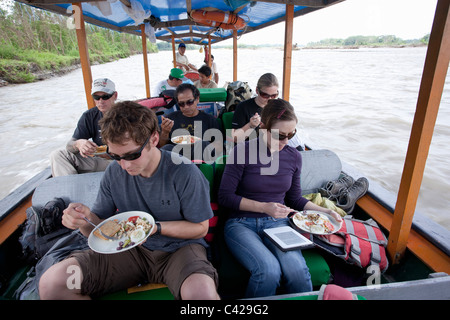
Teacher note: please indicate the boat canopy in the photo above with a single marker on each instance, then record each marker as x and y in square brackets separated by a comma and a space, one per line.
[164, 19]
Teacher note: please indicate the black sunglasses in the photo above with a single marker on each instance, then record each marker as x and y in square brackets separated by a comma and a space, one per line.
[181, 104]
[266, 95]
[128, 157]
[281, 137]
[104, 97]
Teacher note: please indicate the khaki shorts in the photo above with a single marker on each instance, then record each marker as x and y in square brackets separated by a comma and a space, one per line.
[107, 273]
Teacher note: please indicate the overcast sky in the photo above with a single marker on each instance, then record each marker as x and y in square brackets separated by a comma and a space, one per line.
[406, 19]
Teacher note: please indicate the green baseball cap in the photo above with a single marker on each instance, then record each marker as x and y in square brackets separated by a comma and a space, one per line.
[177, 73]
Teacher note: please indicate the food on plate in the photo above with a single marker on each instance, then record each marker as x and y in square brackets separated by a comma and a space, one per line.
[135, 228]
[314, 222]
[187, 139]
[129, 231]
[109, 228]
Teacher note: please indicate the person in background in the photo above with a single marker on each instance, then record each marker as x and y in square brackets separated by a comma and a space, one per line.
[191, 120]
[80, 156]
[260, 194]
[247, 116]
[176, 77]
[182, 60]
[214, 71]
[204, 80]
[142, 178]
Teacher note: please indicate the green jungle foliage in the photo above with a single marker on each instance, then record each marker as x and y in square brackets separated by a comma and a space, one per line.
[34, 41]
[370, 41]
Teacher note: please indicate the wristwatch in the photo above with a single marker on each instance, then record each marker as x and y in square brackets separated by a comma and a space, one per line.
[158, 229]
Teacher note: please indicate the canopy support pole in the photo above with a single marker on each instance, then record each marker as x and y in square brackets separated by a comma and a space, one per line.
[235, 55]
[209, 51]
[173, 52]
[84, 52]
[144, 53]
[287, 60]
[430, 93]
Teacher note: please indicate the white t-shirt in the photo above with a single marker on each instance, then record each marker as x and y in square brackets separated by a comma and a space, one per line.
[182, 59]
[213, 70]
[161, 86]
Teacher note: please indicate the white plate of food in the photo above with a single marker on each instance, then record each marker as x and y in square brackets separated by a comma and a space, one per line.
[316, 222]
[130, 229]
[185, 139]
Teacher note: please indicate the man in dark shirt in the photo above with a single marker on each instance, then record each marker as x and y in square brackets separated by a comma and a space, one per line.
[80, 156]
[191, 121]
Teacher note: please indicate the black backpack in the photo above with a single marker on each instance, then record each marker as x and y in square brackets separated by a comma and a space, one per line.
[42, 229]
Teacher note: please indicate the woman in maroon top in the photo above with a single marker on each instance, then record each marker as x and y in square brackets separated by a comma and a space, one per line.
[261, 186]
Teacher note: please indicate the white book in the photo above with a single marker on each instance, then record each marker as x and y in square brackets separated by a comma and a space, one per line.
[287, 238]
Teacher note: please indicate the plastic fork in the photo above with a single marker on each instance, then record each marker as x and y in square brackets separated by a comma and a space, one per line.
[100, 230]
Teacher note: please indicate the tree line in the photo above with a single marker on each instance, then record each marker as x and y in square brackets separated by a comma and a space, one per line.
[33, 40]
[374, 41]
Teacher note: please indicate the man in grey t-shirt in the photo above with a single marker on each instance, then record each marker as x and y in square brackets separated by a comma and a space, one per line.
[142, 178]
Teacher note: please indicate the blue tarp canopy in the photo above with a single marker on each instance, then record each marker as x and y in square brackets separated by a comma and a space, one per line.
[167, 18]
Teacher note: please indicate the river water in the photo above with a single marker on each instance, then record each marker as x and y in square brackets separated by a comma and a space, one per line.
[360, 103]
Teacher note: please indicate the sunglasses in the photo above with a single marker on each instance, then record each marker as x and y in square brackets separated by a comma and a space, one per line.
[181, 104]
[281, 137]
[266, 95]
[128, 157]
[104, 97]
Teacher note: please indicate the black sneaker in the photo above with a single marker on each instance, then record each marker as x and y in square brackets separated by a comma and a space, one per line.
[334, 188]
[347, 199]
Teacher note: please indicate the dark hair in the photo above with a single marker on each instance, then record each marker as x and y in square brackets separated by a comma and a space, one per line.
[171, 78]
[128, 120]
[187, 86]
[205, 70]
[277, 110]
[206, 60]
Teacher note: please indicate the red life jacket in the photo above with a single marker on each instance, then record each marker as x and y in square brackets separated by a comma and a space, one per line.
[363, 243]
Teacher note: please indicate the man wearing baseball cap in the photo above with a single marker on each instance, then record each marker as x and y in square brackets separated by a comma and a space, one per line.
[182, 59]
[80, 154]
[175, 79]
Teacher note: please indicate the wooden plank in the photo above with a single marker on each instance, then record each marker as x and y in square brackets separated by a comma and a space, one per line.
[187, 35]
[426, 251]
[144, 54]
[235, 61]
[9, 203]
[209, 51]
[433, 80]
[10, 224]
[14, 205]
[287, 60]
[304, 3]
[84, 52]
[174, 55]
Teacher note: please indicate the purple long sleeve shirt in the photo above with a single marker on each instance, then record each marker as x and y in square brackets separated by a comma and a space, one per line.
[246, 175]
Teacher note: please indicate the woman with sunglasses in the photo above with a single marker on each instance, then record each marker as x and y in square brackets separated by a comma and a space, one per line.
[79, 155]
[247, 116]
[260, 187]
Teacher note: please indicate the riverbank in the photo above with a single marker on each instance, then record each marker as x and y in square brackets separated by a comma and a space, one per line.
[14, 71]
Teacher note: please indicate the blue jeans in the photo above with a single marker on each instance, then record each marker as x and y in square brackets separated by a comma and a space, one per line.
[269, 266]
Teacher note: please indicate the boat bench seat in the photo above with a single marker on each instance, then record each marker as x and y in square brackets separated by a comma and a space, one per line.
[83, 188]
